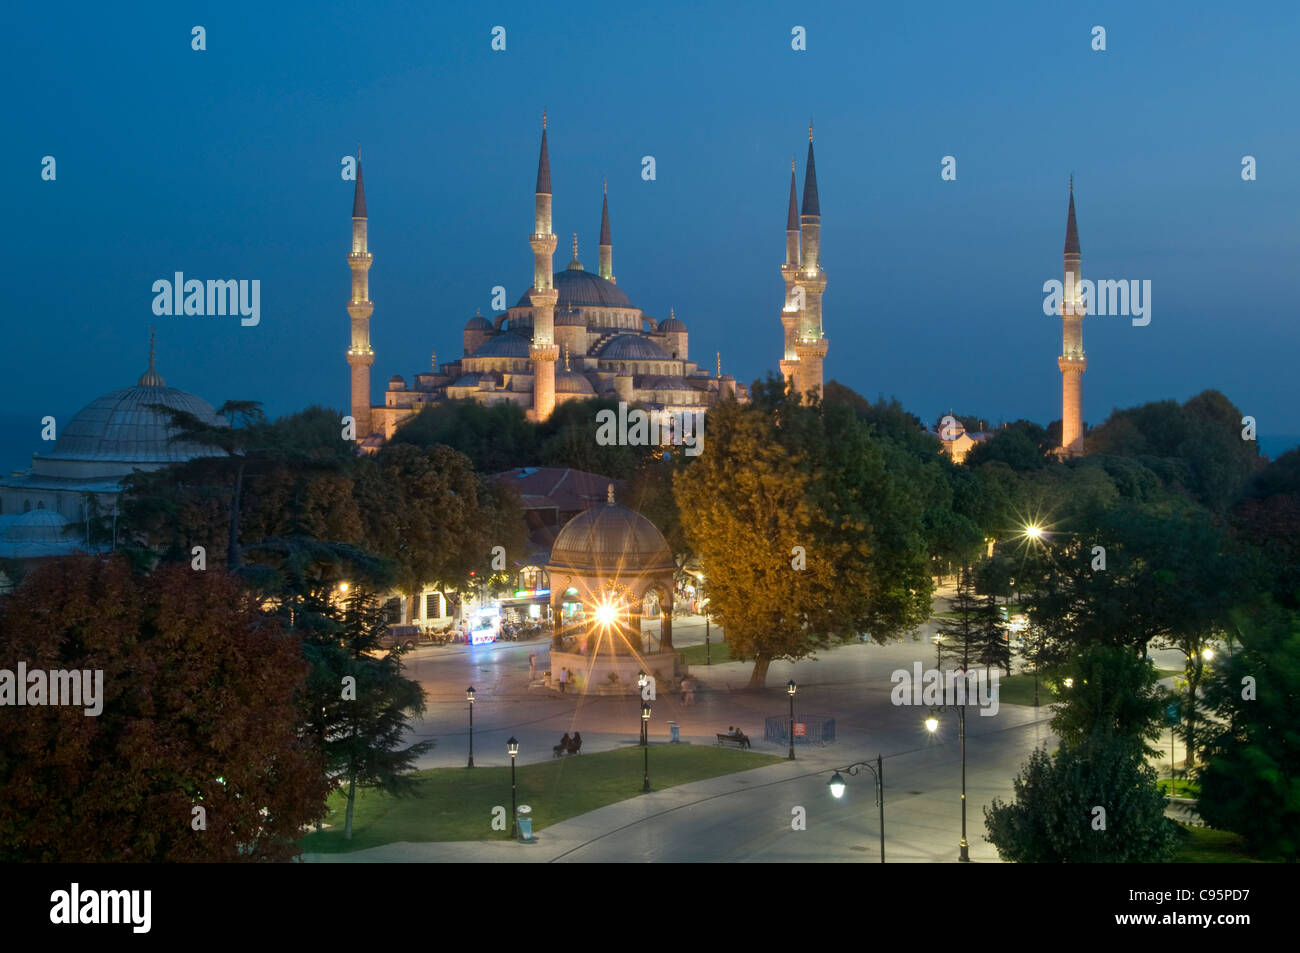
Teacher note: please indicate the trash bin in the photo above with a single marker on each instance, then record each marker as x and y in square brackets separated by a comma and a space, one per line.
[675, 730]
[524, 816]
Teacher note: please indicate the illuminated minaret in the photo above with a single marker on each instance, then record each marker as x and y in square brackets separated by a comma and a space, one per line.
[810, 344]
[360, 354]
[790, 274]
[1072, 361]
[606, 268]
[543, 295]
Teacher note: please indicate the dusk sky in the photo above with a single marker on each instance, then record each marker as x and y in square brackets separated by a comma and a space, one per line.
[225, 164]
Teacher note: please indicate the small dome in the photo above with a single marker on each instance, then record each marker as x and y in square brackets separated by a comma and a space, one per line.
[478, 323]
[612, 540]
[583, 288]
[37, 526]
[504, 345]
[672, 324]
[633, 347]
[572, 382]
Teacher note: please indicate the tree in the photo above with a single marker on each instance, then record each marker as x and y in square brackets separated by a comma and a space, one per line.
[1251, 781]
[991, 645]
[366, 747]
[959, 634]
[495, 437]
[1115, 696]
[806, 536]
[201, 694]
[1054, 818]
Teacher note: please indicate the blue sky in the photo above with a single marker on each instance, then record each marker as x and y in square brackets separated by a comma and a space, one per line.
[225, 164]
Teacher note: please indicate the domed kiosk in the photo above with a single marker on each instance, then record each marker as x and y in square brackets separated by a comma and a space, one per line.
[605, 562]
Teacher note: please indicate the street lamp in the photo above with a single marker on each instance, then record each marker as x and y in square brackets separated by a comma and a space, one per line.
[938, 642]
[469, 694]
[932, 724]
[513, 747]
[836, 784]
[1069, 683]
[641, 681]
[645, 726]
[790, 689]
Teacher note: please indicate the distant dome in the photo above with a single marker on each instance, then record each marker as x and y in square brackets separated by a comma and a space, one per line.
[609, 539]
[572, 382]
[672, 324]
[478, 323]
[584, 289]
[119, 432]
[37, 526]
[504, 345]
[633, 347]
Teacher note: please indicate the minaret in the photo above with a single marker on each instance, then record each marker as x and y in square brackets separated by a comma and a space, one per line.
[606, 268]
[360, 354]
[790, 274]
[1072, 361]
[543, 295]
[810, 345]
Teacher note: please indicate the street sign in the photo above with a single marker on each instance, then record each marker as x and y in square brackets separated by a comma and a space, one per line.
[800, 729]
[1173, 714]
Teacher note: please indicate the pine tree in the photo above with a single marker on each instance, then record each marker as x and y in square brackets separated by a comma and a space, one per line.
[961, 634]
[992, 647]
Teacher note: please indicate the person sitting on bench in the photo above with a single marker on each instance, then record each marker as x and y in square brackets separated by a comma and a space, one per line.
[740, 736]
[576, 744]
[563, 746]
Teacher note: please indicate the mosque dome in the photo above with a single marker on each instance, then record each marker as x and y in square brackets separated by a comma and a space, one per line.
[633, 347]
[572, 382]
[584, 289]
[37, 526]
[121, 431]
[667, 383]
[504, 345]
[672, 324]
[610, 540]
[478, 323]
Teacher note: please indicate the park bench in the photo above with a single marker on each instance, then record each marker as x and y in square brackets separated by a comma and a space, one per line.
[558, 750]
[740, 741]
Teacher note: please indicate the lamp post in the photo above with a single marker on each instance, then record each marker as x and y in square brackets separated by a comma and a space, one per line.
[938, 644]
[836, 784]
[469, 694]
[931, 725]
[645, 725]
[641, 683]
[513, 747]
[790, 690]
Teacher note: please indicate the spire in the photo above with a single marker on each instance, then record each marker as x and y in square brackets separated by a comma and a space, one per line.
[1071, 228]
[609, 490]
[604, 219]
[151, 377]
[575, 265]
[810, 206]
[566, 358]
[719, 357]
[792, 216]
[359, 195]
[544, 164]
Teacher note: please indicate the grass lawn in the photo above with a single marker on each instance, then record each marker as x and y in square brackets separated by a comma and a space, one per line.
[718, 652]
[1019, 690]
[456, 803]
[1183, 788]
[1201, 845]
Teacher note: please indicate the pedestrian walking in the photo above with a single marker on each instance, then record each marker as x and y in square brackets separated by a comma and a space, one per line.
[532, 668]
[564, 680]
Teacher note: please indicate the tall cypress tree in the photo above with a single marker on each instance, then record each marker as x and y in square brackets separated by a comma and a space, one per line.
[961, 634]
[992, 647]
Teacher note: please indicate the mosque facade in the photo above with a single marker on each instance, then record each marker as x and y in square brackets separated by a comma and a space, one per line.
[574, 334]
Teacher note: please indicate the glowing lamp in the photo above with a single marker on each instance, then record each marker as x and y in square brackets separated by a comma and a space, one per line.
[836, 784]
